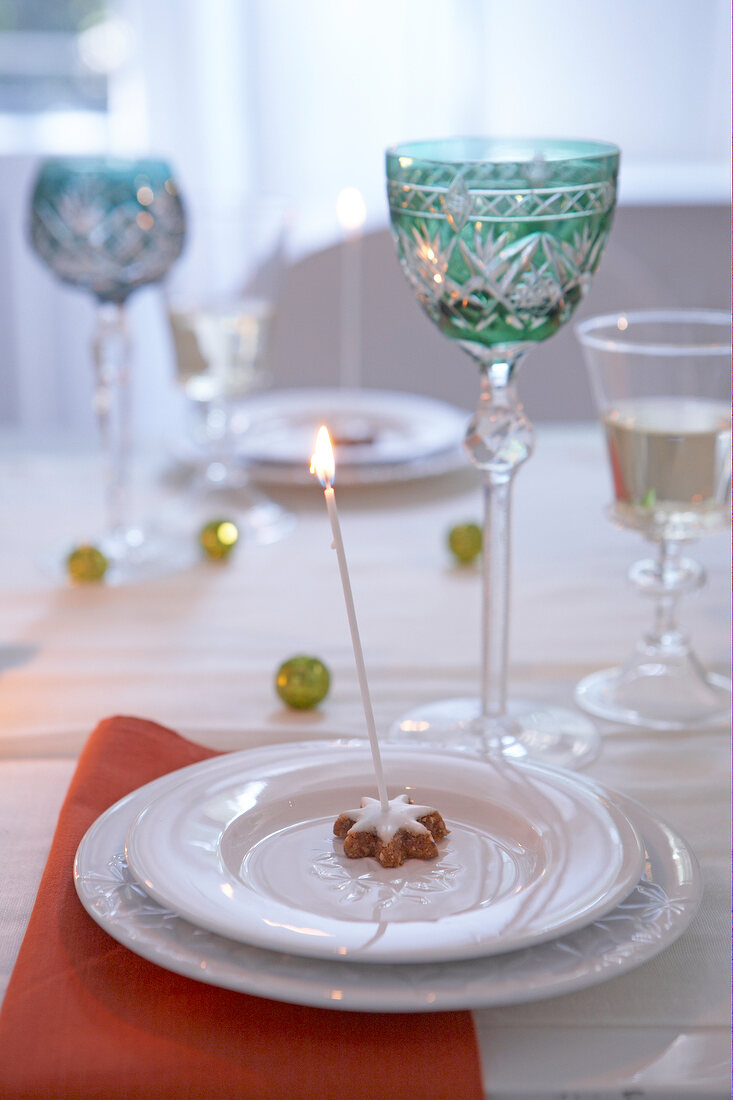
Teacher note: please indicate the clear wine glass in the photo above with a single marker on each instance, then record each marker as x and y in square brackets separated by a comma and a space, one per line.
[110, 226]
[499, 240]
[222, 304]
[661, 381]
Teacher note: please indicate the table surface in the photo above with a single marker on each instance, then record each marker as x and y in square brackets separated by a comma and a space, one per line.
[198, 650]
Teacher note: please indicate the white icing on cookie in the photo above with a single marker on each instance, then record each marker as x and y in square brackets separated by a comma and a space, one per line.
[401, 814]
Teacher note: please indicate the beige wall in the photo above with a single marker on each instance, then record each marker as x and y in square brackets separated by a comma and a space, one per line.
[656, 257]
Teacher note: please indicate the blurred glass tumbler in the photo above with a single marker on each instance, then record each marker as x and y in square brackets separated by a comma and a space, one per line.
[221, 307]
[110, 226]
[661, 382]
[222, 299]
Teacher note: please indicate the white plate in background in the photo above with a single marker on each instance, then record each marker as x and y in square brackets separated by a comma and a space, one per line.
[368, 427]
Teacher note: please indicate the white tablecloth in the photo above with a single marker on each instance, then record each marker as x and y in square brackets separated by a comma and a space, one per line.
[198, 652]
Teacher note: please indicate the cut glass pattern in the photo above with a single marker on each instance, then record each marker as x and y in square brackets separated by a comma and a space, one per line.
[109, 227]
[492, 256]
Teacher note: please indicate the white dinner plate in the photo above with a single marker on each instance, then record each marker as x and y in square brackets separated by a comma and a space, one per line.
[379, 435]
[367, 426]
[243, 845]
[653, 916]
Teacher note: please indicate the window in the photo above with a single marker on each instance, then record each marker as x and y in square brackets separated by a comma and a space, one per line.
[57, 61]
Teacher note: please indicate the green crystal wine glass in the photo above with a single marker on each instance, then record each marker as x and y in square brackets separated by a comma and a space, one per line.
[499, 240]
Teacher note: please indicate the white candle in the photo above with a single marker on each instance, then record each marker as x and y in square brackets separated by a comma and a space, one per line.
[324, 467]
[351, 213]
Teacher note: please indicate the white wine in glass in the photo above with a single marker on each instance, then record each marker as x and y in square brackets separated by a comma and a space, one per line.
[671, 461]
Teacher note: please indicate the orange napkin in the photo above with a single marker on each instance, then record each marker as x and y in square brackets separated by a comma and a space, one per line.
[86, 1017]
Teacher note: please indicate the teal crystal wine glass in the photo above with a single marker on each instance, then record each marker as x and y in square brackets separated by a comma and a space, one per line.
[499, 240]
[109, 226]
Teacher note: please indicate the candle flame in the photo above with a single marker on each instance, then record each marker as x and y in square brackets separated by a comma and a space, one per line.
[323, 464]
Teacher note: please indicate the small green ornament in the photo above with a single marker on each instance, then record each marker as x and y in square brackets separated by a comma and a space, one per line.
[86, 565]
[218, 538]
[465, 542]
[302, 682]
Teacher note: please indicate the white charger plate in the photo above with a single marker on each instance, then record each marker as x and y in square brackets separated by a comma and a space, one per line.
[243, 845]
[653, 916]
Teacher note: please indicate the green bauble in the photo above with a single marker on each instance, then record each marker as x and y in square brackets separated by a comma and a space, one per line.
[302, 682]
[86, 565]
[465, 542]
[218, 538]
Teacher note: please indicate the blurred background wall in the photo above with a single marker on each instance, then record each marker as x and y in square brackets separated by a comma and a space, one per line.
[301, 99]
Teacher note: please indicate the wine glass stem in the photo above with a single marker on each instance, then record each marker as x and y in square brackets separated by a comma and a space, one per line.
[111, 351]
[495, 611]
[219, 429]
[665, 611]
[665, 580]
[499, 440]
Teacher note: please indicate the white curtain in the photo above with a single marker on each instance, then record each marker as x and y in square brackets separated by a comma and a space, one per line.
[302, 98]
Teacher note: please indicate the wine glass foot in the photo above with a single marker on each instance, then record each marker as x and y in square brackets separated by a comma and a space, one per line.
[647, 691]
[552, 735]
[259, 518]
[265, 522]
[135, 556]
[146, 554]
